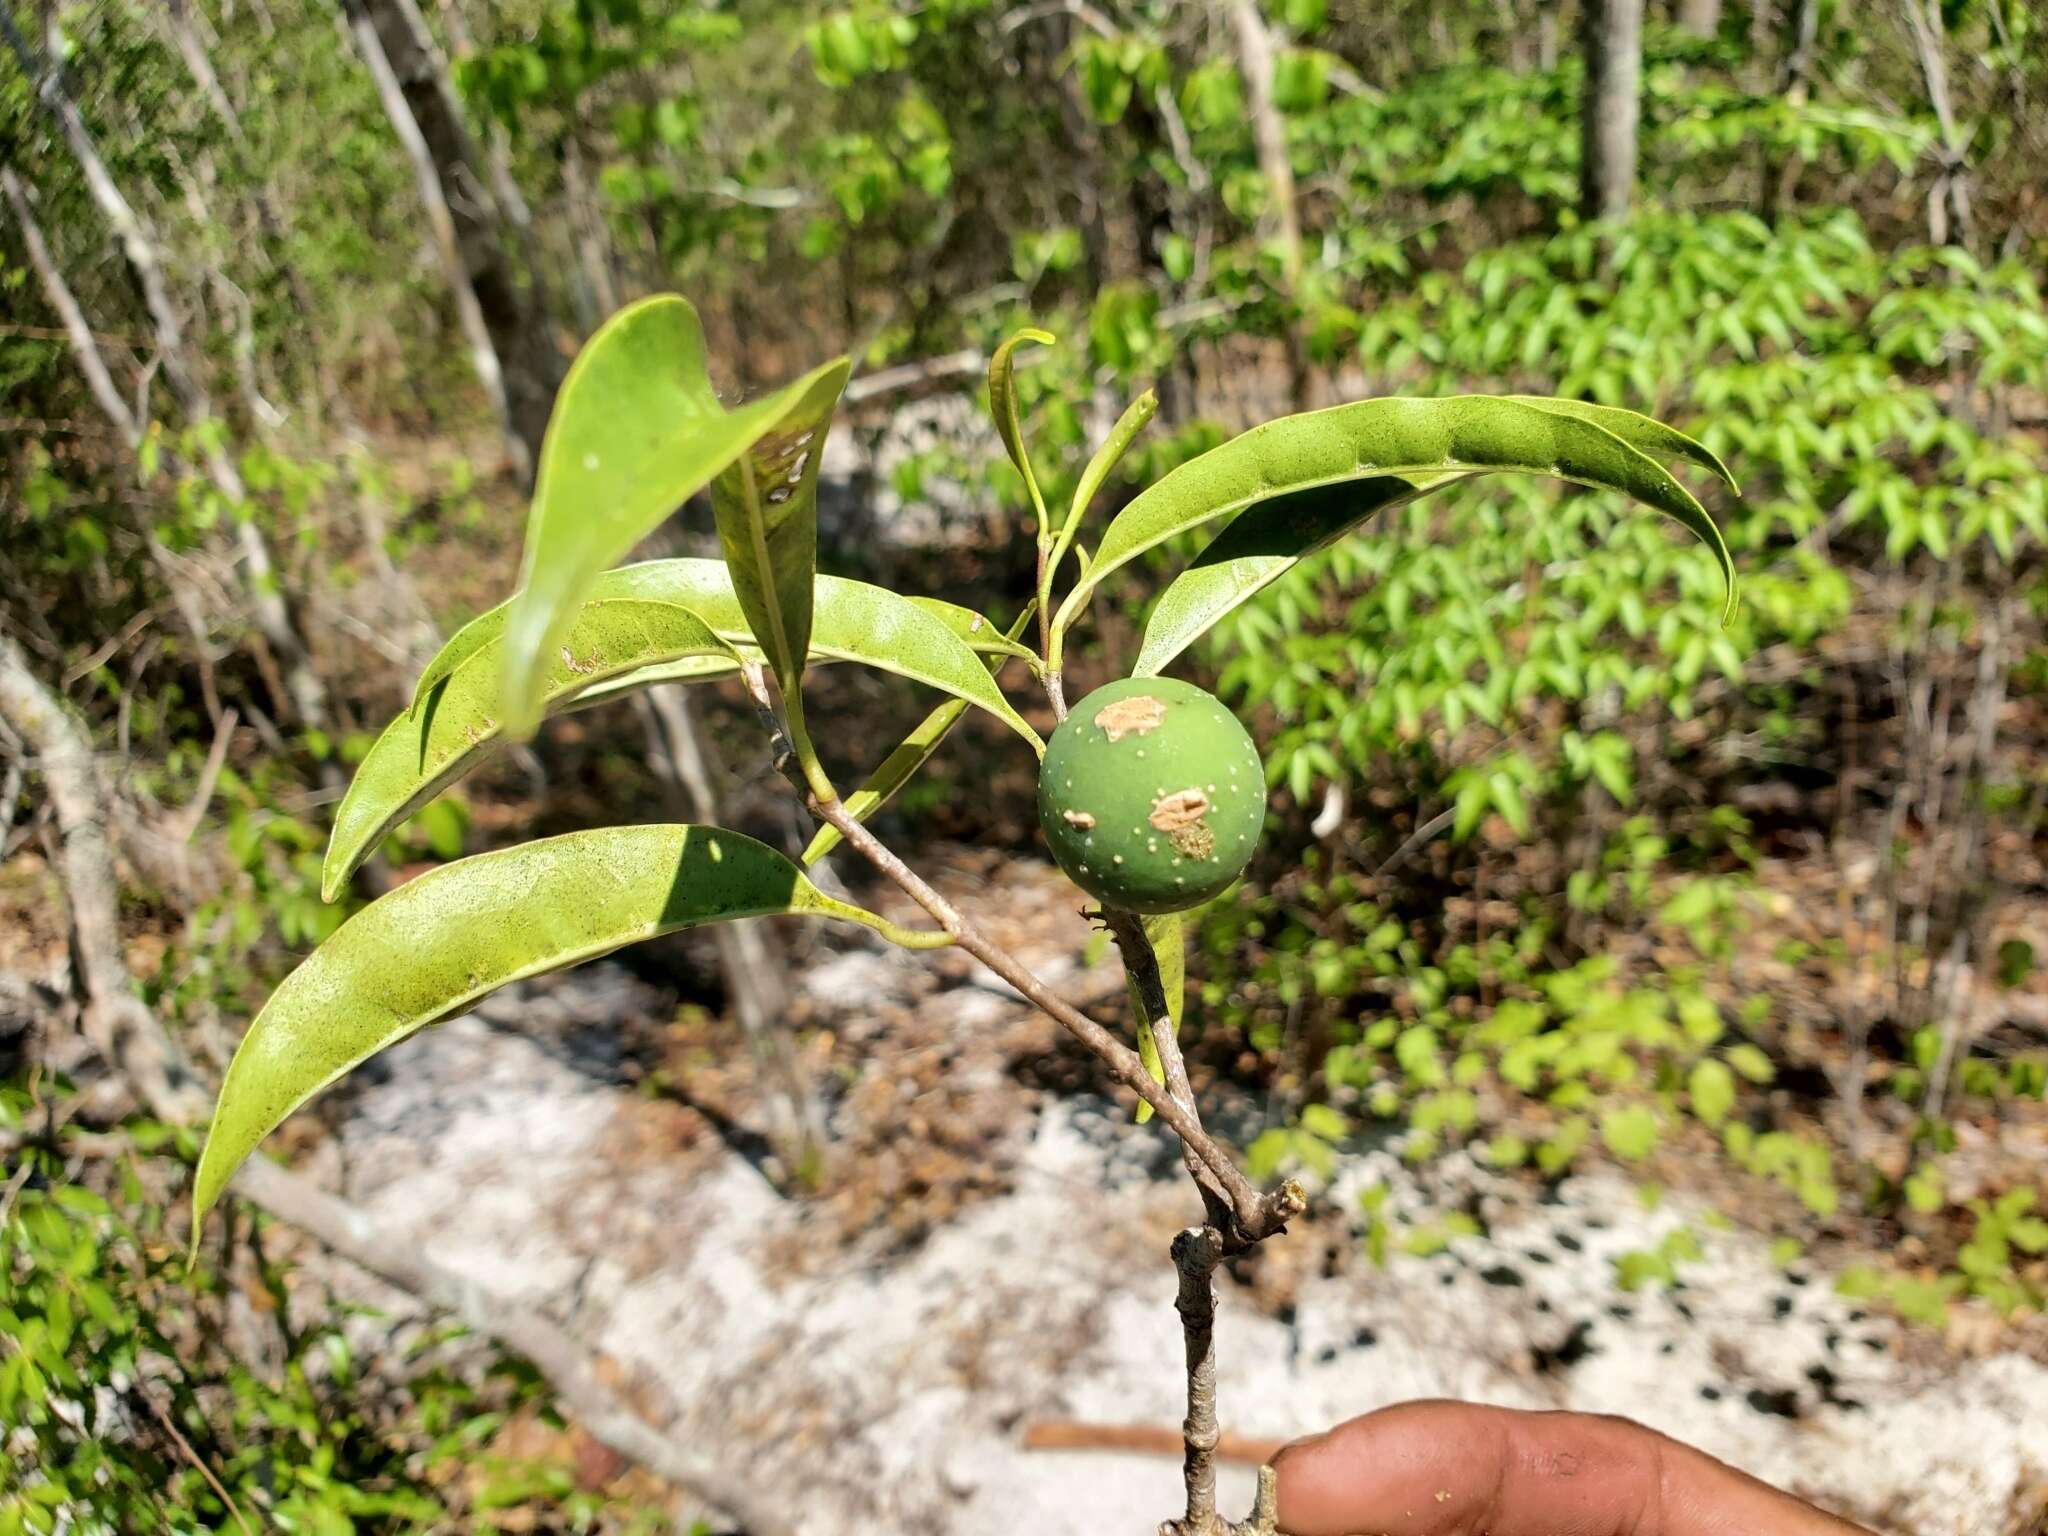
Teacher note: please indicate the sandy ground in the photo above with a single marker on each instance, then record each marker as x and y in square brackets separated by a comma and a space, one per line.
[880, 1384]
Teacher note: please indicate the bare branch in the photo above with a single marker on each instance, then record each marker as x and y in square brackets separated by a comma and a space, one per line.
[124, 1032]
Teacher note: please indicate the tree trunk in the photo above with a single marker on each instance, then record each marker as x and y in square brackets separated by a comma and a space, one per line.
[1611, 34]
[1702, 18]
[1255, 63]
[1949, 214]
[1802, 29]
[507, 338]
[513, 209]
[124, 1032]
[598, 292]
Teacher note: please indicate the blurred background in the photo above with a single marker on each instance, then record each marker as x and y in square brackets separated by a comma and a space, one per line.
[1654, 1008]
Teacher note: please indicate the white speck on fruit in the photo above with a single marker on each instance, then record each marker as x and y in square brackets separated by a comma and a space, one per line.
[590, 461]
[1116, 858]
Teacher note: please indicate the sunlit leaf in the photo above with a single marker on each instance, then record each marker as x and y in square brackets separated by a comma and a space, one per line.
[1002, 404]
[458, 720]
[766, 506]
[636, 431]
[431, 948]
[1388, 437]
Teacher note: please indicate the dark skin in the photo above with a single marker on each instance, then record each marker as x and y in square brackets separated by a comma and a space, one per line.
[1458, 1469]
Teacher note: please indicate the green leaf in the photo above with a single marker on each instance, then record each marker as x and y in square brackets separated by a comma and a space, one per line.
[1106, 458]
[1638, 431]
[1164, 930]
[431, 948]
[1128, 426]
[911, 754]
[450, 728]
[1002, 405]
[636, 431]
[766, 506]
[1751, 1062]
[1261, 545]
[1630, 1132]
[1712, 1086]
[421, 753]
[1472, 434]
[705, 586]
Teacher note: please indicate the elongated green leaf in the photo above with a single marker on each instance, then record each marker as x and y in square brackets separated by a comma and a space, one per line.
[839, 633]
[1165, 931]
[911, 754]
[421, 752]
[1002, 404]
[614, 649]
[636, 431]
[1638, 431]
[693, 669]
[766, 505]
[1467, 434]
[1261, 544]
[705, 587]
[1106, 457]
[434, 946]
[1266, 540]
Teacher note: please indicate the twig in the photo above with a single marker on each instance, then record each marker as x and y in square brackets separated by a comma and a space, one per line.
[1255, 1215]
[1196, 1253]
[186, 827]
[1416, 839]
[14, 1187]
[1142, 1440]
[1238, 1215]
[185, 1449]
[125, 1032]
[114, 643]
[1252, 1215]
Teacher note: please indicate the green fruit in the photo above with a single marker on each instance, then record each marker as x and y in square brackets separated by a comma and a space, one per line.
[1151, 795]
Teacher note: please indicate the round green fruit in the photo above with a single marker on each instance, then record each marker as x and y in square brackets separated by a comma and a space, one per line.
[1151, 795]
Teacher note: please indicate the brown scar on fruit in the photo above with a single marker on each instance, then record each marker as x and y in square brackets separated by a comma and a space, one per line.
[1133, 716]
[1079, 819]
[1181, 816]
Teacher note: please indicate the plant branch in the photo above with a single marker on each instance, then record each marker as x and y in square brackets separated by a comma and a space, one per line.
[1141, 963]
[1253, 1215]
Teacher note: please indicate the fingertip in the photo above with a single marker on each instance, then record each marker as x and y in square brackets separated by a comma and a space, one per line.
[1407, 1470]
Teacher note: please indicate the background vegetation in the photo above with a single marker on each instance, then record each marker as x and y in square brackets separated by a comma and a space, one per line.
[1559, 868]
